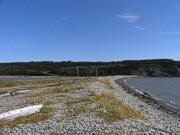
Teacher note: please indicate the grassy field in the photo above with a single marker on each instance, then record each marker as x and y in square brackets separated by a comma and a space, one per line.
[107, 84]
[45, 113]
[104, 105]
[8, 86]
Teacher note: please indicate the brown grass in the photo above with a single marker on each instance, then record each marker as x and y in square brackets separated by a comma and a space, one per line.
[23, 83]
[19, 85]
[48, 102]
[26, 120]
[44, 114]
[107, 84]
[107, 107]
[61, 89]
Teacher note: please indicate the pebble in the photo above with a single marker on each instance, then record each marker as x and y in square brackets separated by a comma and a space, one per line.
[158, 122]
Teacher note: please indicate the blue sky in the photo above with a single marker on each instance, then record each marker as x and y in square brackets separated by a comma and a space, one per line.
[89, 30]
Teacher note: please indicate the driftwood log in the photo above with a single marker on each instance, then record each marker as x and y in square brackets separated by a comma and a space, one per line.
[14, 93]
[11, 115]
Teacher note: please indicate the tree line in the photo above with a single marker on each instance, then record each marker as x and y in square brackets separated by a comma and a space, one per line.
[158, 67]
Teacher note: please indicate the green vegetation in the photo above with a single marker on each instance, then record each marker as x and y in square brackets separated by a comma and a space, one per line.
[32, 83]
[44, 114]
[107, 84]
[48, 102]
[61, 89]
[106, 106]
[26, 120]
[19, 85]
[47, 110]
[159, 67]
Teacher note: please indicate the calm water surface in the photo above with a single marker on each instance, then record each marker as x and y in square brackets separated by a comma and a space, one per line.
[166, 90]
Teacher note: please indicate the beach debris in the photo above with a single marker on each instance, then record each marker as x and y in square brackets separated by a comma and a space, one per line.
[11, 115]
[147, 94]
[139, 92]
[14, 93]
[22, 92]
[5, 95]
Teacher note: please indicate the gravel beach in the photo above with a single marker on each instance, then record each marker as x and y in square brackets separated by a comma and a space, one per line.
[156, 122]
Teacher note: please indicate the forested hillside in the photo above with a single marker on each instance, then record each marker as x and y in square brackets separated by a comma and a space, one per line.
[160, 67]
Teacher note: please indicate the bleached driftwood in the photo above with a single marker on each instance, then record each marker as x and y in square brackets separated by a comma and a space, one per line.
[15, 93]
[5, 95]
[11, 115]
[22, 92]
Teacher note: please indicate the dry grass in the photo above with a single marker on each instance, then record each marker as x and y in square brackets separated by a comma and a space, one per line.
[48, 102]
[72, 102]
[26, 120]
[107, 84]
[107, 106]
[47, 110]
[61, 89]
[44, 102]
[44, 114]
[23, 83]
[19, 85]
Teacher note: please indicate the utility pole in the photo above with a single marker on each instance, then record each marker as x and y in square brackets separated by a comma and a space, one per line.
[96, 71]
[77, 71]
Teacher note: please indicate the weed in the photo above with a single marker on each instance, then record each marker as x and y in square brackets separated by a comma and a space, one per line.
[107, 84]
[47, 110]
[44, 114]
[26, 120]
[107, 107]
[48, 102]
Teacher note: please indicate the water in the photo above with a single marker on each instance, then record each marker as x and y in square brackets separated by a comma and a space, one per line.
[26, 79]
[166, 90]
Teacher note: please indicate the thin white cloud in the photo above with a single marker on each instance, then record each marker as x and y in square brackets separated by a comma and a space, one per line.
[61, 19]
[139, 28]
[131, 18]
[170, 33]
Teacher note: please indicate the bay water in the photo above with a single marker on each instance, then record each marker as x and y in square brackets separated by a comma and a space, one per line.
[165, 90]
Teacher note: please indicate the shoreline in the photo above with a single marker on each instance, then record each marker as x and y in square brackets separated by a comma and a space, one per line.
[145, 97]
[65, 103]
